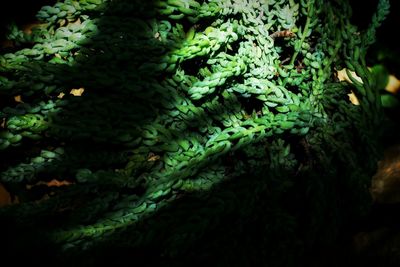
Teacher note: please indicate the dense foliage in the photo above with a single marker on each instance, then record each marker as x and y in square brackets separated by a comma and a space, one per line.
[211, 132]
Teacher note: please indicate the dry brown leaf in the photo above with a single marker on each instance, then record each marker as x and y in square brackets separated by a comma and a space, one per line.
[77, 92]
[5, 197]
[153, 157]
[76, 22]
[18, 99]
[57, 183]
[52, 183]
[353, 99]
[393, 85]
[342, 76]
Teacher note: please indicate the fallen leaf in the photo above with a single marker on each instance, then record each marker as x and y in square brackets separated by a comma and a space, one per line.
[5, 197]
[52, 183]
[393, 85]
[342, 76]
[353, 99]
[57, 183]
[77, 92]
[76, 22]
[18, 99]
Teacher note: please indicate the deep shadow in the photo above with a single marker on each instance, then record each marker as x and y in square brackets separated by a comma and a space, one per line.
[20, 12]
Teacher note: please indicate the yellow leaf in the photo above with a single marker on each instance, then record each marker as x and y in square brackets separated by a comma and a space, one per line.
[77, 92]
[18, 99]
[393, 85]
[353, 99]
[342, 76]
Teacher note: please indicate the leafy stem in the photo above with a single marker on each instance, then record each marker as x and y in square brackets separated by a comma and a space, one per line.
[303, 36]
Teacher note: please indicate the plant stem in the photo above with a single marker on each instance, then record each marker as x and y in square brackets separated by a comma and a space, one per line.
[303, 35]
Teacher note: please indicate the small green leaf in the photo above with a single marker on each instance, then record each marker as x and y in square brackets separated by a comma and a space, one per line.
[381, 75]
[140, 208]
[389, 101]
